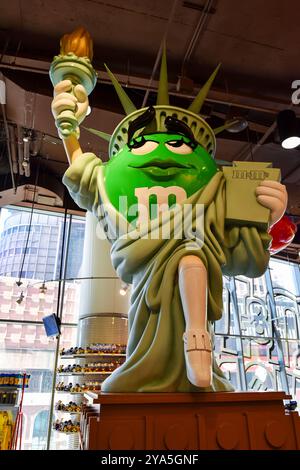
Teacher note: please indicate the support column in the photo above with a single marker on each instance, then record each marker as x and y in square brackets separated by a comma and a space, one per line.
[102, 310]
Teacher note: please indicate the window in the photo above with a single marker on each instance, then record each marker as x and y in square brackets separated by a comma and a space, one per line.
[25, 346]
[40, 429]
[245, 344]
[248, 351]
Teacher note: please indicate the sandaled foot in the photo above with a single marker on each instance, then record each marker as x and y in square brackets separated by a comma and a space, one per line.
[198, 357]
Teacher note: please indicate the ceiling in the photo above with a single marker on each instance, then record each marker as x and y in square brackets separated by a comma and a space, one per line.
[255, 41]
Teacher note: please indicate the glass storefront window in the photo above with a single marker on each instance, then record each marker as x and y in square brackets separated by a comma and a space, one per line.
[257, 341]
[24, 346]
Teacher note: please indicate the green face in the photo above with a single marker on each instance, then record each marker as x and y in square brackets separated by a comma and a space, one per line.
[161, 159]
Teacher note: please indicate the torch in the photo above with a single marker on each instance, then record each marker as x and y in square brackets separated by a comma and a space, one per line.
[73, 63]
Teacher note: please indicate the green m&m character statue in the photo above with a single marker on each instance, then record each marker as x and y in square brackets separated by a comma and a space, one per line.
[162, 201]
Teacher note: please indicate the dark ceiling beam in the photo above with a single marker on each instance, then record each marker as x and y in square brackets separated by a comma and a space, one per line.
[159, 53]
[269, 105]
[248, 151]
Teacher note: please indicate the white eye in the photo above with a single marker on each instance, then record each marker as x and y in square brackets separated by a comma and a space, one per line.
[177, 146]
[147, 147]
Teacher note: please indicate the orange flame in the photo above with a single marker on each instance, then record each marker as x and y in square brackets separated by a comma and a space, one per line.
[79, 42]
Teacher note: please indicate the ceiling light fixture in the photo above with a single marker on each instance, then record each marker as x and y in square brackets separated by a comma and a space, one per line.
[43, 290]
[26, 136]
[239, 124]
[288, 129]
[20, 298]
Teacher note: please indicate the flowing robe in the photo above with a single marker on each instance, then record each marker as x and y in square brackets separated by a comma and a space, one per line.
[155, 355]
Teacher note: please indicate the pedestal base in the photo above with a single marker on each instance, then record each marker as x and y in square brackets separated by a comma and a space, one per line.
[189, 421]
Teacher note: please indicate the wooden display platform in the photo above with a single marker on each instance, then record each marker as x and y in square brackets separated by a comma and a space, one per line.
[189, 421]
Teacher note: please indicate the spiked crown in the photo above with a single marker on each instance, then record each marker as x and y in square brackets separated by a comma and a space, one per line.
[203, 133]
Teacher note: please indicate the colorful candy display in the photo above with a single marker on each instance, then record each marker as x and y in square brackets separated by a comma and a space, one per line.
[6, 429]
[8, 398]
[90, 368]
[66, 426]
[70, 407]
[96, 348]
[13, 380]
[85, 387]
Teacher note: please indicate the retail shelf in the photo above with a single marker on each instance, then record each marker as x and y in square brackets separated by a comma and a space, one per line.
[9, 388]
[66, 433]
[71, 413]
[72, 356]
[76, 393]
[84, 373]
[7, 405]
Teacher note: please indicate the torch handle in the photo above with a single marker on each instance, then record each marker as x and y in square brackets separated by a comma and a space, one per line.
[67, 122]
[79, 71]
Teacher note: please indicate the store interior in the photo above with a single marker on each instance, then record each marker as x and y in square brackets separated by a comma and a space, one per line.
[54, 257]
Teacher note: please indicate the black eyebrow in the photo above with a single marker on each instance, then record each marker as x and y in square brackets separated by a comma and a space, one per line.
[172, 124]
[142, 121]
[179, 127]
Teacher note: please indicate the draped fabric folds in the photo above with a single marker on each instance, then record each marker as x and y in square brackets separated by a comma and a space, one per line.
[155, 357]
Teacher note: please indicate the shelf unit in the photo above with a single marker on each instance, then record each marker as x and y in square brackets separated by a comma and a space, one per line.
[81, 377]
[64, 356]
[21, 382]
[3, 406]
[10, 389]
[66, 433]
[12, 409]
[83, 373]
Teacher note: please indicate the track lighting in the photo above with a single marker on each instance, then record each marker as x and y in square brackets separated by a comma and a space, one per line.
[43, 290]
[20, 298]
[288, 129]
[239, 124]
[26, 135]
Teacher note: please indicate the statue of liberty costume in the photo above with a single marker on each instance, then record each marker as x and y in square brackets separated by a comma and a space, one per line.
[155, 357]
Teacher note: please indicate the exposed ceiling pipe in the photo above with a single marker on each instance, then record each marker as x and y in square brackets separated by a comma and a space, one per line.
[199, 28]
[26, 146]
[12, 139]
[3, 103]
[247, 152]
[20, 150]
[26, 169]
[26, 152]
[36, 143]
[157, 60]
[270, 105]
